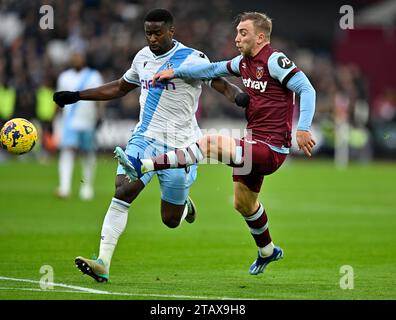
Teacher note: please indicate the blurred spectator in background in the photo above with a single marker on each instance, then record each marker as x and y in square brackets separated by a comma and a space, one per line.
[45, 111]
[79, 122]
[7, 102]
[109, 32]
[25, 96]
[383, 122]
[384, 110]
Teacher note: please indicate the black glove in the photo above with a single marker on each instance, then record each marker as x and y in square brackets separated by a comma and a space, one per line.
[242, 100]
[66, 97]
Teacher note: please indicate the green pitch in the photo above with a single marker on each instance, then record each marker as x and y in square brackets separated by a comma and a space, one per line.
[323, 218]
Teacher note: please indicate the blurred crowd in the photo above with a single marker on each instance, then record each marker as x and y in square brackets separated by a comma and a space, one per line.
[111, 33]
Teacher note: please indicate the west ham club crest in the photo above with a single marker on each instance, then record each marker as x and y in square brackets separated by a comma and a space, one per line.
[259, 72]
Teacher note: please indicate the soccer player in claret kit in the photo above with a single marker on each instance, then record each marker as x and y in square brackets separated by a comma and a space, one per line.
[270, 80]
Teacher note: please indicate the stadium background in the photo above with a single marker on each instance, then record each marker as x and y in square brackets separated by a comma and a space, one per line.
[352, 72]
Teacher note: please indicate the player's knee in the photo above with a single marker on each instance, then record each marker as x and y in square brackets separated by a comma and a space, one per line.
[207, 144]
[242, 207]
[171, 213]
[122, 194]
[171, 222]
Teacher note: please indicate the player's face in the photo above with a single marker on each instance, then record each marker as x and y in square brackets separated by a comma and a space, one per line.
[246, 38]
[159, 36]
[77, 61]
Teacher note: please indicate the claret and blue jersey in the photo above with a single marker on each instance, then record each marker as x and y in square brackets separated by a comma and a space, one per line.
[270, 79]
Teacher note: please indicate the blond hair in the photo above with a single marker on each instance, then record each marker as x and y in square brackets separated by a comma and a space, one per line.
[261, 22]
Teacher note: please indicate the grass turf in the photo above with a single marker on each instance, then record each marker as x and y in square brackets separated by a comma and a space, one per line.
[323, 218]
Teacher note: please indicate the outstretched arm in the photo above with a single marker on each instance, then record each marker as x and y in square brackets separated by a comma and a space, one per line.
[108, 91]
[203, 71]
[232, 92]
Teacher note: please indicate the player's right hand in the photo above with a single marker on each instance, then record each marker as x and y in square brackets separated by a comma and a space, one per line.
[66, 97]
[163, 75]
[305, 142]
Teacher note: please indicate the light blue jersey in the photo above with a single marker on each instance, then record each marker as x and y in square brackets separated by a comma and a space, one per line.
[79, 119]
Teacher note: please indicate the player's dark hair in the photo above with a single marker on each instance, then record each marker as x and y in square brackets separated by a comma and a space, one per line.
[159, 15]
[261, 21]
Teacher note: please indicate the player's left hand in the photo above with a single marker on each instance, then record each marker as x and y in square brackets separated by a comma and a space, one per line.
[305, 142]
[66, 97]
[163, 75]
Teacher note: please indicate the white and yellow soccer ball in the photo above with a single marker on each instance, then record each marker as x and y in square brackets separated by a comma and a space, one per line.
[18, 136]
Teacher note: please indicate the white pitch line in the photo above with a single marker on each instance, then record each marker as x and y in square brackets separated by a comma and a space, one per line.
[41, 290]
[94, 291]
[56, 284]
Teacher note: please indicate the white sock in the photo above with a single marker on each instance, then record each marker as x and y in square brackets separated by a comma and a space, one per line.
[267, 250]
[113, 226]
[185, 211]
[66, 164]
[183, 156]
[147, 165]
[88, 163]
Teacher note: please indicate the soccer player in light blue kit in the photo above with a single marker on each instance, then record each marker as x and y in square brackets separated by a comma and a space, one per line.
[78, 127]
[167, 121]
[270, 80]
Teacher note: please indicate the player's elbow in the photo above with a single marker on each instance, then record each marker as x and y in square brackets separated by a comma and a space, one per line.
[313, 93]
[309, 91]
[312, 90]
[308, 87]
[121, 88]
[120, 92]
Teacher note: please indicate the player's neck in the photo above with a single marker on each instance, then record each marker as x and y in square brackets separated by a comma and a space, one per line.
[167, 49]
[78, 69]
[257, 50]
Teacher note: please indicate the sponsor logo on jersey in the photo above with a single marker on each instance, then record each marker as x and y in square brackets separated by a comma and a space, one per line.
[254, 84]
[169, 65]
[259, 72]
[244, 65]
[166, 85]
[285, 63]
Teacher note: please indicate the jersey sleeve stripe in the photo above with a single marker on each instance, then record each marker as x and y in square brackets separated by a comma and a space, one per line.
[229, 68]
[289, 75]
